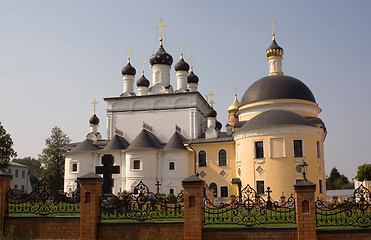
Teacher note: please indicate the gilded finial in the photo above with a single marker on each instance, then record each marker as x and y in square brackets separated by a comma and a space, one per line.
[94, 103]
[211, 94]
[235, 91]
[273, 22]
[191, 59]
[143, 63]
[181, 45]
[161, 26]
[233, 108]
[128, 50]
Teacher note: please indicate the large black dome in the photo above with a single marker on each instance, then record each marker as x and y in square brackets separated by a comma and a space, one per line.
[277, 87]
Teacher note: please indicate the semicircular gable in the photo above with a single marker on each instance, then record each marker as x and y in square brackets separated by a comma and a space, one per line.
[139, 104]
[181, 102]
[160, 103]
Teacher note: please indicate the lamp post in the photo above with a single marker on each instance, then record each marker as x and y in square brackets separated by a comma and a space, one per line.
[303, 168]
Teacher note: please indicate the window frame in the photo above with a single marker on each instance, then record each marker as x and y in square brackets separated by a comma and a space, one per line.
[284, 146]
[320, 186]
[319, 149]
[16, 173]
[221, 191]
[255, 149]
[77, 166]
[302, 148]
[198, 155]
[215, 194]
[23, 174]
[226, 158]
[171, 166]
[257, 189]
[133, 166]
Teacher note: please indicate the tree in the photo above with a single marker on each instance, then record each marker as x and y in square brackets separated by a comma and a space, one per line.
[34, 166]
[364, 172]
[52, 158]
[337, 181]
[6, 149]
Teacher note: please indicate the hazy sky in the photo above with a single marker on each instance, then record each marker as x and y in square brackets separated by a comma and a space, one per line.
[57, 56]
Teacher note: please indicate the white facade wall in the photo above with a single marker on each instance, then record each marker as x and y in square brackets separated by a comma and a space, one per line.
[21, 180]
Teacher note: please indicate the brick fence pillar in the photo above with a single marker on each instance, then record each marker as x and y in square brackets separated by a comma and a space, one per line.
[90, 192]
[5, 179]
[305, 210]
[193, 207]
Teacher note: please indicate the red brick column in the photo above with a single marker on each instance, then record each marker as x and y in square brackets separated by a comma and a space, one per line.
[5, 180]
[305, 210]
[193, 207]
[90, 192]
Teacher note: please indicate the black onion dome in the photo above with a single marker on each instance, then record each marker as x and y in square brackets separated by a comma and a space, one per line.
[275, 118]
[277, 87]
[94, 120]
[192, 78]
[218, 125]
[142, 82]
[181, 65]
[274, 50]
[128, 70]
[211, 113]
[161, 57]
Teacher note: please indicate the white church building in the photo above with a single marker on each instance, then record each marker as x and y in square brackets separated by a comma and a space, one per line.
[161, 133]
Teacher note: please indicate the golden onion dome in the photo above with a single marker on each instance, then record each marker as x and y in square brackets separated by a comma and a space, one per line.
[234, 106]
[274, 50]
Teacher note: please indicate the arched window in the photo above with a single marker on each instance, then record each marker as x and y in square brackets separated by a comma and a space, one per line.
[214, 189]
[202, 158]
[222, 157]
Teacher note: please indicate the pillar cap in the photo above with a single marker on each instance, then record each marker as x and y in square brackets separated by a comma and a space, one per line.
[193, 180]
[305, 184]
[90, 177]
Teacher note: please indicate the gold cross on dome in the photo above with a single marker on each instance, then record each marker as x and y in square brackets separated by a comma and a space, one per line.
[235, 90]
[191, 59]
[273, 22]
[211, 94]
[128, 50]
[181, 45]
[161, 26]
[94, 103]
[143, 63]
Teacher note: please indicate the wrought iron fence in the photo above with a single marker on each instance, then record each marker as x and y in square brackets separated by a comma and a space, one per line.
[142, 205]
[249, 209]
[43, 200]
[355, 211]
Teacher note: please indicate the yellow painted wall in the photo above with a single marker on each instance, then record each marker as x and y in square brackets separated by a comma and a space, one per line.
[279, 173]
[212, 168]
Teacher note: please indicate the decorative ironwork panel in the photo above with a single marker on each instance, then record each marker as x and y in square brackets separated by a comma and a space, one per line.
[249, 209]
[43, 201]
[355, 211]
[141, 205]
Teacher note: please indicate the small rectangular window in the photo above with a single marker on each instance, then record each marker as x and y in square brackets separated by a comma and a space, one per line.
[319, 152]
[23, 173]
[16, 186]
[16, 173]
[320, 185]
[298, 148]
[171, 165]
[224, 191]
[74, 167]
[136, 164]
[260, 187]
[22, 187]
[171, 191]
[259, 149]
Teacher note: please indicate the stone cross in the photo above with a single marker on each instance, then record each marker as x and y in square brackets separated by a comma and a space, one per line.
[94, 103]
[107, 170]
[158, 184]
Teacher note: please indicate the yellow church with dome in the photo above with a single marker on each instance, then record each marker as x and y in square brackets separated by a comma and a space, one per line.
[160, 134]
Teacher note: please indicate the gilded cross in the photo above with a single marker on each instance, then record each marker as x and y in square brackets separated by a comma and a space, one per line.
[181, 45]
[211, 94]
[128, 50]
[191, 60]
[143, 63]
[161, 26]
[94, 103]
[273, 22]
[235, 90]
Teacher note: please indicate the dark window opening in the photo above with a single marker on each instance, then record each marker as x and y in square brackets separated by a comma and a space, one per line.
[260, 187]
[224, 191]
[259, 149]
[298, 148]
[222, 158]
[136, 164]
[171, 165]
[202, 158]
[214, 189]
